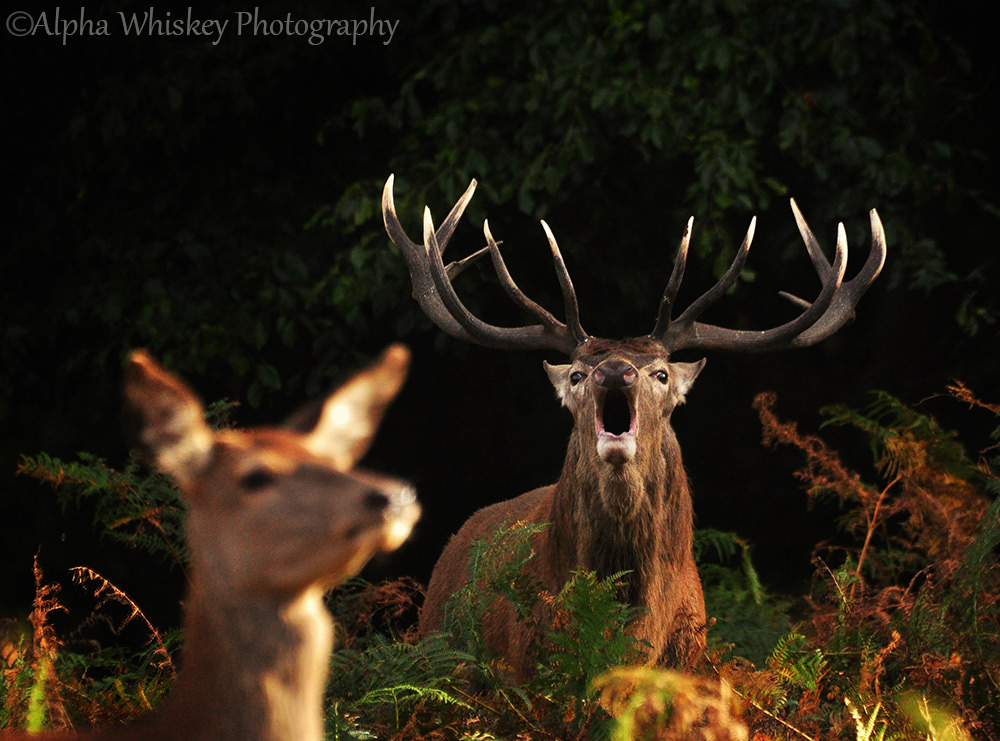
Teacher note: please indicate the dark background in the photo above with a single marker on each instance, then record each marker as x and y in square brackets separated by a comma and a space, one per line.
[219, 206]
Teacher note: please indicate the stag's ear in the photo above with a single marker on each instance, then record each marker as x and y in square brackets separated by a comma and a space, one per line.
[559, 377]
[165, 420]
[351, 414]
[682, 377]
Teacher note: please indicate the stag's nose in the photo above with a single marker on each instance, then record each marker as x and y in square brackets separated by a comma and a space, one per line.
[613, 374]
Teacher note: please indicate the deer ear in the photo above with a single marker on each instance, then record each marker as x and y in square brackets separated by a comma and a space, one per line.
[351, 414]
[559, 376]
[164, 419]
[683, 375]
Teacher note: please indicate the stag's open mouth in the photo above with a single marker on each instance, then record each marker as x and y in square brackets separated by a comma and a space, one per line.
[616, 427]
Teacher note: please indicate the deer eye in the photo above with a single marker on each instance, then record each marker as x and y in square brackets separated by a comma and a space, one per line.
[661, 376]
[575, 377]
[257, 479]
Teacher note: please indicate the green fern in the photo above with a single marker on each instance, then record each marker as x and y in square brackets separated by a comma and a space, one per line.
[747, 619]
[594, 618]
[385, 682]
[796, 663]
[386, 663]
[864, 729]
[495, 570]
[143, 511]
[980, 557]
[886, 418]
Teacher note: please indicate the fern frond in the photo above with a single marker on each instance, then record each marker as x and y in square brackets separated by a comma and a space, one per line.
[796, 663]
[142, 511]
[409, 694]
[105, 592]
[495, 569]
[865, 729]
[591, 616]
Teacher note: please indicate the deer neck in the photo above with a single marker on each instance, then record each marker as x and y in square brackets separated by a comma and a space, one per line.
[254, 666]
[637, 517]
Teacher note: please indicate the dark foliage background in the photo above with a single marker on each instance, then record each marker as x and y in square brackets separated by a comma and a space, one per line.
[218, 204]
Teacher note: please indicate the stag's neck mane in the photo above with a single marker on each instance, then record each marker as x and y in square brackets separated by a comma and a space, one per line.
[612, 519]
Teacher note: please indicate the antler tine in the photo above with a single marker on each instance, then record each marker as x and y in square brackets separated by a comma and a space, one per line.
[551, 335]
[678, 328]
[818, 319]
[447, 228]
[433, 290]
[510, 287]
[812, 244]
[472, 327]
[456, 267]
[444, 233]
[841, 311]
[395, 230]
[673, 284]
[417, 262]
[572, 307]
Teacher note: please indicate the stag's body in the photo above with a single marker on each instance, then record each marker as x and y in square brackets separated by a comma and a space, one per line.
[622, 502]
[275, 517]
[604, 516]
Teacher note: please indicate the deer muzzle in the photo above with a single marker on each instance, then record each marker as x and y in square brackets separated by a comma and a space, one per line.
[390, 506]
[401, 515]
[615, 374]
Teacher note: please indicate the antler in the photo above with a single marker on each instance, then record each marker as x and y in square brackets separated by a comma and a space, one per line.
[841, 310]
[832, 308]
[433, 290]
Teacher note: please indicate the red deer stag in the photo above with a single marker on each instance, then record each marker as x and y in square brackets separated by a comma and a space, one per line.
[622, 500]
[275, 518]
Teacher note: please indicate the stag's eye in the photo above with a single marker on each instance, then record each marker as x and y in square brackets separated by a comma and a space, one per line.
[661, 376]
[257, 479]
[575, 377]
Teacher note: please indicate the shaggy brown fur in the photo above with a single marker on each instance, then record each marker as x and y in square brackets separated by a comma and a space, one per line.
[610, 510]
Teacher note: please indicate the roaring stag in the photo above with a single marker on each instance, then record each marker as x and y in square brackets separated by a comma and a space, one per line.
[622, 501]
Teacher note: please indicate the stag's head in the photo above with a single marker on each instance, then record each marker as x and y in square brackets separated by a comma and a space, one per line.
[621, 392]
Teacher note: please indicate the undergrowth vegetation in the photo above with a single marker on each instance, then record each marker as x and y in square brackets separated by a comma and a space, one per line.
[898, 638]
